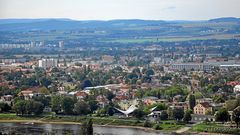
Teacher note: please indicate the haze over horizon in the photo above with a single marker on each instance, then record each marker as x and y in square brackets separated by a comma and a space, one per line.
[120, 9]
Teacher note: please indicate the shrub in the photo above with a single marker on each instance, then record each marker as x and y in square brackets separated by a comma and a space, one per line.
[157, 127]
[147, 123]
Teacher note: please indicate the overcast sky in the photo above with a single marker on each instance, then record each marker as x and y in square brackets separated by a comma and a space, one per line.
[120, 9]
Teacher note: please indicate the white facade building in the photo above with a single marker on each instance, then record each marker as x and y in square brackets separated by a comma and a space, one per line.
[191, 66]
[236, 89]
[47, 63]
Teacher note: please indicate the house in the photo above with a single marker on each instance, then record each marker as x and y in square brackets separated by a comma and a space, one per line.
[81, 95]
[236, 89]
[30, 93]
[102, 101]
[202, 108]
[200, 117]
[120, 98]
[182, 105]
[7, 99]
[204, 100]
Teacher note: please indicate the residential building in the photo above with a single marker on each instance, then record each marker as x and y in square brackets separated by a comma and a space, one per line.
[48, 63]
[202, 108]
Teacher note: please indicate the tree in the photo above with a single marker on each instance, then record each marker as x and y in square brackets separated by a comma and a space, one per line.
[149, 72]
[192, 101]
[93, 105]
[138, 113]
[28, 107]
[178, 113]
[19, 107]
[147, 123]
[187, 116]
[86, 83]
[236, 116]
[164, 115]
[56, 103]
[45, 81]
[222, 115]
[109, 95]
[81, 108]
[44, 90]
[4, 107]
[157, 127]
[42, 99]
[37, 108]
[89, 127]
[84, 128]
[67, 105]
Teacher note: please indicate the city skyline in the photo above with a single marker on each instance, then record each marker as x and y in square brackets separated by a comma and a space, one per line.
[121, 9]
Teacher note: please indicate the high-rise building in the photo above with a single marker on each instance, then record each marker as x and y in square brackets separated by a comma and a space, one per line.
[41, 43]
[48, 63]
[61, 44]
[33, 44]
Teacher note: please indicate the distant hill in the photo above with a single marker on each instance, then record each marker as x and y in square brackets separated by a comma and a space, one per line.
[133, 27]
[226, 19]
[64, 24]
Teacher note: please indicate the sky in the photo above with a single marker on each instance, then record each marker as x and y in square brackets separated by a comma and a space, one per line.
[120, 9]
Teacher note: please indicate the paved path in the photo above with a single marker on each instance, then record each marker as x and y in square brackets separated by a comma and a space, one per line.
[182, 130]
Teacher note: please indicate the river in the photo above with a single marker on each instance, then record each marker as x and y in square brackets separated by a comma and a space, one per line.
[62, 129]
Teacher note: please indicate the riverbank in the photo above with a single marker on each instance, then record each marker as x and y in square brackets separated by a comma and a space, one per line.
[31, 122]
[214, 128]
[167, 126]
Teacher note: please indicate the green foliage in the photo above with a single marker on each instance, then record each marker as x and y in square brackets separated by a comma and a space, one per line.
[178, 113]
[67, 105]
[45, 81]
[157, 127]
[56, 103]
[4, 107]
[147, 123]
[222, 115]
[81, 108]
[149, 72]
[90, 127]
[213, 128]
[139, 113]
[187, 116]
[164, 115]
[236, 116]
[93, 105]
[87, 127]
[86, 83]
[28, 107]
[192, 101]
[175, 90]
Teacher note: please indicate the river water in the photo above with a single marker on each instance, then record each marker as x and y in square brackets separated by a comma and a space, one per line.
[62, 129]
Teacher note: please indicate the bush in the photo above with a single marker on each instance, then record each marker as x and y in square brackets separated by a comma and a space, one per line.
[147, 123]
[157, 127]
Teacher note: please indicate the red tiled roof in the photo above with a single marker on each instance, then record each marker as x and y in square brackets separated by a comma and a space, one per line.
[81, 94]
[205, 104]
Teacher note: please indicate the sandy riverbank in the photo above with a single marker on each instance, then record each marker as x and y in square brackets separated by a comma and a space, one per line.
[77, 123]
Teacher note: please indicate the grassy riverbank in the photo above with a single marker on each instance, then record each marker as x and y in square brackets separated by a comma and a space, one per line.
[215, 128]
[167, 126]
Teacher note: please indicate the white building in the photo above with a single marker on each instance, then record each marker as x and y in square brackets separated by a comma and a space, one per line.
[47, 63]
[236, 89]
[191, 66]
[61, 44]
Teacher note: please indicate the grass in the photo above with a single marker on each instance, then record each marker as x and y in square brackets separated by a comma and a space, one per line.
[170, 39]
[215, 128]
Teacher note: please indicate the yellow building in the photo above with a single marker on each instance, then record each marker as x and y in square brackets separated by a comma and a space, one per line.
[202, 108]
